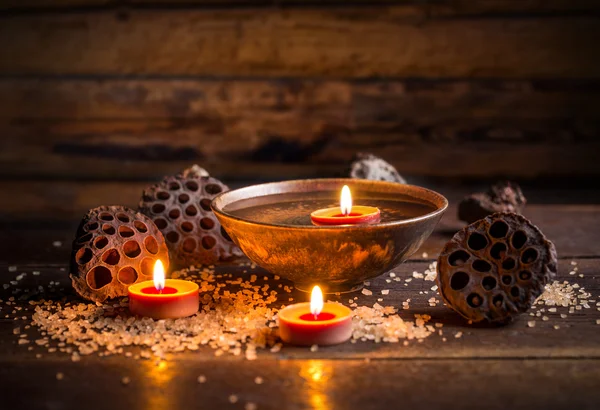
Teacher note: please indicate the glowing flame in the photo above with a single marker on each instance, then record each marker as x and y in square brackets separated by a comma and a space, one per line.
[316, 301]
[346, 201]
[159, 275]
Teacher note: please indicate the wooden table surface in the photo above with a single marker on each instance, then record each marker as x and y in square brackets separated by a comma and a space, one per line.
[515, 367]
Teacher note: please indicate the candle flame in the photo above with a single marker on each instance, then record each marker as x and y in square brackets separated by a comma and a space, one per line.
[346, 201]
[316, 301]
[159, 275]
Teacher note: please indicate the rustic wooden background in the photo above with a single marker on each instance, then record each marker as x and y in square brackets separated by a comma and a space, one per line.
[103, 91]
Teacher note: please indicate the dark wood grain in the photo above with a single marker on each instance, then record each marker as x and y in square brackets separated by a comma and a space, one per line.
[113, 129]
[304, 384]
[443, 7]
[353, 42]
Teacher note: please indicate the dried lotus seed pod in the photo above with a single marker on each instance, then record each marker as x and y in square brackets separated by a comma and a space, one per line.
[501, 197]
[180, 207]
[369, 166]
[114, 248]
[495, 268]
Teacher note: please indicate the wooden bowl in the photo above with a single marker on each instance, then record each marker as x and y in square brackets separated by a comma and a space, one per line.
[338, 258]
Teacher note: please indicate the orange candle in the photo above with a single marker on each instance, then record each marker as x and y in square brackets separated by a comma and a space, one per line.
[315, 323]
[163, 298]
[346, 214]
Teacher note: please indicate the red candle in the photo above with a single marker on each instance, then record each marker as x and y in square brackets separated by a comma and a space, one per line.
[346, 214]
[163, 298]
[315, 323]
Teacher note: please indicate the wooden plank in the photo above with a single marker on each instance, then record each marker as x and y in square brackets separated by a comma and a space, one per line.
[295, 385]
[436, 7]
[577, 335]
[65, 128]
[353, 42]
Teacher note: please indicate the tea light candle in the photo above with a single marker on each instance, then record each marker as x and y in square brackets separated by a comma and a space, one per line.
[346, 214]
[315, 323]
[163, 298]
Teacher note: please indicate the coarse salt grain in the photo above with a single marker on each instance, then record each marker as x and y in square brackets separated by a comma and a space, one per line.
[125, 380]
[202, 379]
[314, 348]
[366, 292]
[385, 292]
[258, 380]
[233, 399]
[458, 335]
[531, 323]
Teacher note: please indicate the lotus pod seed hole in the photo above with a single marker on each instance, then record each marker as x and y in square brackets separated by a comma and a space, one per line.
[489, 283]
[108, 229]
[83, 256]
[499, 229]
[205, 204]
[172, 237]
[507, 280]
[183, 198]
[160, 223]
[127, 275]
[162, 195]
[92, 226]
[187, 226]
[189, 245]
[105, 216]
[208, 242]
[151, 245]
[98, 277]
[474, 300]
[126, 232]
[147, 266]
[459, 257]
[174, 213]
[212, 189]
[481, 266]
[508, 264]
[207, 223]
[111, 257]
[524, 275]
[529, 256]
[498, 300]
[174, 186]
[158, 208]
[132, 249]
[498, 250]
[101, 242]
[477, 241]
[123, 218]
[515, 291]
[191, 210]
[519, 239]
[191, 185]
[459, 280]
[140, 226]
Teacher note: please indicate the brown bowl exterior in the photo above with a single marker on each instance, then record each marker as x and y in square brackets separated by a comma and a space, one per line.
[338, 258]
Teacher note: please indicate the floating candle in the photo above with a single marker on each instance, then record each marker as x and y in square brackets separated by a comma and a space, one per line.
[346, 214]
[315, 323]
[163, 298]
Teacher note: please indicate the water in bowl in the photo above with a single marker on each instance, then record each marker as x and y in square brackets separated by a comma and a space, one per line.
[295, 208]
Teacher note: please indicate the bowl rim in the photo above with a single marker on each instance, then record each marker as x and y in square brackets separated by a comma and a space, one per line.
[438, 211]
